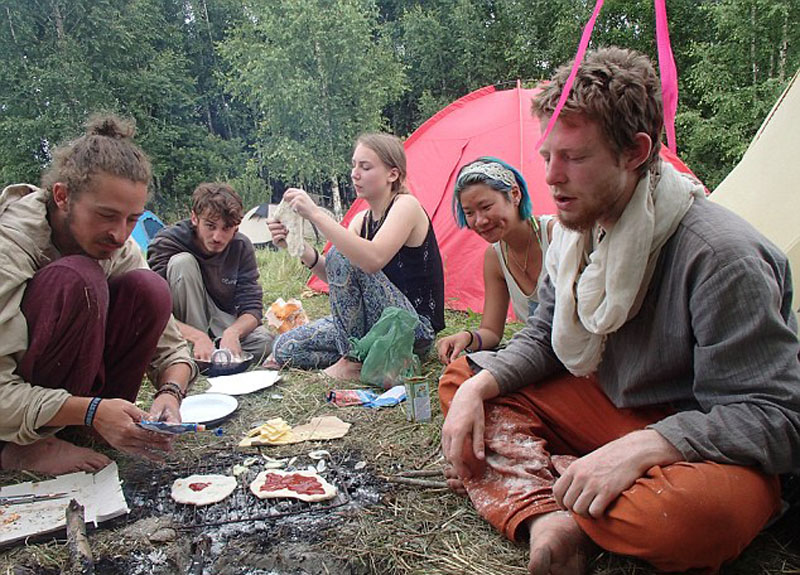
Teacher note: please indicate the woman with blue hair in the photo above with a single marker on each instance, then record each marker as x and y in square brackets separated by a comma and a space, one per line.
[491, 198]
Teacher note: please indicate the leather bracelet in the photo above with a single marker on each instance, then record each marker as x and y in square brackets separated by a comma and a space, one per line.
[169, 391]
[471, 338]
[316, 260]
[91, 411]
[171, 388]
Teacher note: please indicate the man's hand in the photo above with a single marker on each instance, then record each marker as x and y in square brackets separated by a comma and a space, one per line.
[165, 408]
[116, 421]
[462, 432]
[203, 347]
[591, 483]
[230, 340]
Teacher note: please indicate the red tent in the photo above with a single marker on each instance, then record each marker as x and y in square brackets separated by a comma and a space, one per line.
[486, 122]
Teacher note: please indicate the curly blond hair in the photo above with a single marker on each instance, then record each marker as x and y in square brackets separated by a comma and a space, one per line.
[618, 89]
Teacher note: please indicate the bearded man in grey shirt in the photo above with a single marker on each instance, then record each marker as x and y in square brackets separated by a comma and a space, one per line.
[650, 402]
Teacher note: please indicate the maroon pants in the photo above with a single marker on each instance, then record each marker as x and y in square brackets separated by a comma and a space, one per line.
[90, 335]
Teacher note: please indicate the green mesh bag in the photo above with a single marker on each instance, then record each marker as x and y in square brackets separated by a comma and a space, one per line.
[387, 350]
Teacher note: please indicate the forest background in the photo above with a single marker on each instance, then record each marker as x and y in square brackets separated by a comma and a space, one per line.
[271, 93]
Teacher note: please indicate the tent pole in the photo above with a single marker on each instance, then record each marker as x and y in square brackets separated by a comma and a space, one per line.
[521, 166]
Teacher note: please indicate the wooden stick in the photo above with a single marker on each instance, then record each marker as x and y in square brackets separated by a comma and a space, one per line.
[422, 473]
[80, 554]
[416, 482]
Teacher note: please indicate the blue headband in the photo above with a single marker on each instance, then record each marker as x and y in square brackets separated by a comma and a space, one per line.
[525, 207]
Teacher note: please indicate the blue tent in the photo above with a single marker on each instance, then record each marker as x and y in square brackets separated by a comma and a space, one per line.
[146, 229]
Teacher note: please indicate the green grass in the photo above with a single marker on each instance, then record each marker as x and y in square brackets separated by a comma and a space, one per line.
[412, 530]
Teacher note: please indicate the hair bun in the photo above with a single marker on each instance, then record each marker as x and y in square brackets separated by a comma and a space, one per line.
[110, 126]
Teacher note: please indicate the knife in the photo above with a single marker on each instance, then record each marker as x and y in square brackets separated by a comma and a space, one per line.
[29, 498]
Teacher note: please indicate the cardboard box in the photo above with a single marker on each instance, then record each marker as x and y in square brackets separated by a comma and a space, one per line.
[418, 399]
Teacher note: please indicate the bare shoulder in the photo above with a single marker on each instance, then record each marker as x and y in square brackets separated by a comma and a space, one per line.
[357, 222]
[491, 264]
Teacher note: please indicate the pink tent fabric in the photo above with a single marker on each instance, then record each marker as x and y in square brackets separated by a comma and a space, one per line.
[486, 122]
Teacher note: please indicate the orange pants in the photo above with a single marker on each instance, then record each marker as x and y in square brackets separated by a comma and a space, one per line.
[677, 517]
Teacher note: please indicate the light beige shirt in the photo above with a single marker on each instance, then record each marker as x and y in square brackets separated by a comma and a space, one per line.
[25, 247]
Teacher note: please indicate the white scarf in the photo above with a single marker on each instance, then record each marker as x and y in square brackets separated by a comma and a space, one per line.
[596, 300]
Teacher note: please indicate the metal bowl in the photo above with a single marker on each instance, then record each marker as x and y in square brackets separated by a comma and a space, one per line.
[210, 369]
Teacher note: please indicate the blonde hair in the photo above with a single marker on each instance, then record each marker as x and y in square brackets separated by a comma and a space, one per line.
[390, 152]
[107, 147]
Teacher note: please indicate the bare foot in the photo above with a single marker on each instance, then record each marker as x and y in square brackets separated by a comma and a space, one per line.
[344, 369]
[453, 481]
[558, 546]
[51, 455]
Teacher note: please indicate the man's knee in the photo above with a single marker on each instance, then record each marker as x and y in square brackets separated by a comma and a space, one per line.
[145, 290]
[688, 516]
[456, 373]
[72, 281]
[182, 266]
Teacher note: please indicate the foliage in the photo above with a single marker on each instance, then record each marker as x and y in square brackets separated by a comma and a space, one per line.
[266, 93]
[316, 73]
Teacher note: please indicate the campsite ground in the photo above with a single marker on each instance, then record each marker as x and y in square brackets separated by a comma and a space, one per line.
[392, 529]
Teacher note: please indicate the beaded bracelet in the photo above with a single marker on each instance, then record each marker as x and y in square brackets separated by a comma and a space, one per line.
[316, 260]
[480, 340]
[91, 411]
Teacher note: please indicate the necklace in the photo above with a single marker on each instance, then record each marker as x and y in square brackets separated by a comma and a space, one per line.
[374, 225]
[513, 258]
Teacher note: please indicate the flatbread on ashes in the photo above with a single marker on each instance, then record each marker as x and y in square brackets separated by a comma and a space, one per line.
[203, 489]
[303, 485]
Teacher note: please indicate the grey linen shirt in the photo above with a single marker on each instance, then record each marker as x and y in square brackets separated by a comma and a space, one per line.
[715, 339]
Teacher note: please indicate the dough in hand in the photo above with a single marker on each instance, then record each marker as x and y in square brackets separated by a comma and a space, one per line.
[303, 485]
[293, 222]
[203, 489]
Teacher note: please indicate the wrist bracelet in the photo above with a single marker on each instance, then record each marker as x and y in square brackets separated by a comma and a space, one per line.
[480, 340]
[316, 260]
[169, 391]
[91, 411]
[172, 389]
[471, 338]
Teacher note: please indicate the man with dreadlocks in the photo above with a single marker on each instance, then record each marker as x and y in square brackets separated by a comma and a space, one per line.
[81, 316]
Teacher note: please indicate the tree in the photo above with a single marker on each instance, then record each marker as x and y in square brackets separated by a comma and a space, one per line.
[751, 50]
[317, 73]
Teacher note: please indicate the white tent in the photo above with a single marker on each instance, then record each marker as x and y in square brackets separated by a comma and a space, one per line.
[254, 225]
[764, 188]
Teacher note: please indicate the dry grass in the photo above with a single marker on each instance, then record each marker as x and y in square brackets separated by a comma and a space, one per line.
[413, 530]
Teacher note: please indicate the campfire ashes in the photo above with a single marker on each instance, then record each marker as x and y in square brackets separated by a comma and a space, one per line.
[243, 535]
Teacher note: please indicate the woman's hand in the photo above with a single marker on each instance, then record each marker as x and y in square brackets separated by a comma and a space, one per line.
[448, 348]
[278, 232]
[300, 202]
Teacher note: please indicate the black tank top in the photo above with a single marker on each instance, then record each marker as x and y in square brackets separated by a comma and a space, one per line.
[417, 272]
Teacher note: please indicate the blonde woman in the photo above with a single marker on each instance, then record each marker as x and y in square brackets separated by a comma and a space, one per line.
[387, 256]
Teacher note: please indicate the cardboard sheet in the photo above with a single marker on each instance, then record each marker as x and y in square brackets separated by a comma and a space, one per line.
[243, 383]
[319, 428]
[100, 494]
